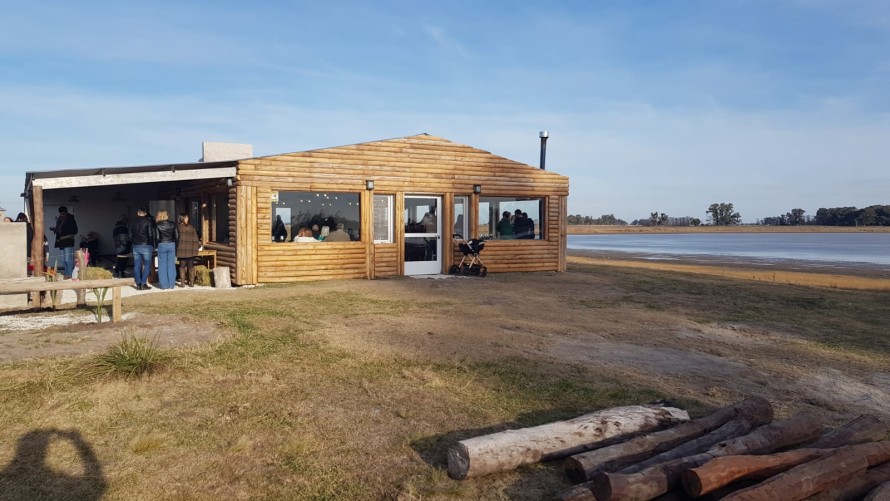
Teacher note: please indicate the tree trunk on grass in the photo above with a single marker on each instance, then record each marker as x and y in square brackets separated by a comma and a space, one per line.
[822, 474]
[865, 428]
[509, 449]
[584, 466]
[858, 486]
[657, 480]
[722, 471]
[880, 493]
[735, 428]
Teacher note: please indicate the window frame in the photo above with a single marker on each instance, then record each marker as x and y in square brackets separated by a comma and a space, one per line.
[390, 208]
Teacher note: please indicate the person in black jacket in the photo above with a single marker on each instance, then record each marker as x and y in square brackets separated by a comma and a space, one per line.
[120, 235]
[142, 232]
[166, 235]
[65, 230]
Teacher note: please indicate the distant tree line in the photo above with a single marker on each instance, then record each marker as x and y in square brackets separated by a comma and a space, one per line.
[873, 215]
[723, 214]
[607, 219]
[662, 219]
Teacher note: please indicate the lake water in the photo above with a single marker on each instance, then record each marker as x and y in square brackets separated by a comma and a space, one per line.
[849, 248]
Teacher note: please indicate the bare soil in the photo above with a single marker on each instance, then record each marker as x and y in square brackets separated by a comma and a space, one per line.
[75, 332]
[563, 317]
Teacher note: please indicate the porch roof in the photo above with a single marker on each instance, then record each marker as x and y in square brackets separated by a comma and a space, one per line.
[104, 176]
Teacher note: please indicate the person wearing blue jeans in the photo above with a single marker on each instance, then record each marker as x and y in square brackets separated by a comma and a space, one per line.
[65, 230]
[166, 235]
[142, 234]
[142, 265]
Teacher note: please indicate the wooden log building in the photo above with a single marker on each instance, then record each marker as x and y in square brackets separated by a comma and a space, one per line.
[386, 208]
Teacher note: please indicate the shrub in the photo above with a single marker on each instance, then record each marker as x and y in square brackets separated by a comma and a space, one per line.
[132, 356]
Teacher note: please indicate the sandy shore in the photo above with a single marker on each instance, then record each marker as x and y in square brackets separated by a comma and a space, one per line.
[790, 271]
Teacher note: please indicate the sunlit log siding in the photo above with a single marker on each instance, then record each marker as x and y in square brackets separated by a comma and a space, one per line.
[423, 165]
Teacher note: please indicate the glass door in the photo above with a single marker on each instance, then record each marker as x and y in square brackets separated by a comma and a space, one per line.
[423, 235]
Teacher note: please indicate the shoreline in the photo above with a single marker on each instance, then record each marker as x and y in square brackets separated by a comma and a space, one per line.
[860, 276]
[577, 229]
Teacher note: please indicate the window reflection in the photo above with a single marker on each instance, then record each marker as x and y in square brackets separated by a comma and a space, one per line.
[326, 216]
[511, 218]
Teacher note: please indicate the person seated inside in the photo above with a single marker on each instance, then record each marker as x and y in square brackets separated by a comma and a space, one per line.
[316, 231]
[505, 227]
[338, 235]
[325, 231]
[304, 235]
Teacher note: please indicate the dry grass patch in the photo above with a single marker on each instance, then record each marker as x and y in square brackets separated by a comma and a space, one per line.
[355, 389]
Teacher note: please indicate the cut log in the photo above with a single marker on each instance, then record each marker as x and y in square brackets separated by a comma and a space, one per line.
[724, 470]
[819, 475]
[584, 466]
[858, 486]
[865, 428]
[510, 449]
[730, 430]
[657, 480]
[879, 493]
[580, 492]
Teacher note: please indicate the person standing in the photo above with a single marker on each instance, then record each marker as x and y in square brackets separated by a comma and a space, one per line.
[187, 250]
[23, 218]
[166, 235]
[279, 231]
[65, 230]
[141, 231]
[505, 228]
[120, 235]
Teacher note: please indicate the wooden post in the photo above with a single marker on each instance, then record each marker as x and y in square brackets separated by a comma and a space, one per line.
[473, 213]
[510, 449]
[37, 221]
[116, 304]
[366, 200]
[399, 231]
[447, 230]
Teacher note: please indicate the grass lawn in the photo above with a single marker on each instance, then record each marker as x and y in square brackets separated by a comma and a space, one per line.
[355, 389]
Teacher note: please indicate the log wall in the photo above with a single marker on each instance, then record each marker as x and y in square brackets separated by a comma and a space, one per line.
[413, 165]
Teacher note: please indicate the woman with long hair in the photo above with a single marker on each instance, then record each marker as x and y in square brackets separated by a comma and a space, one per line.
[187, 251]
[167, 234]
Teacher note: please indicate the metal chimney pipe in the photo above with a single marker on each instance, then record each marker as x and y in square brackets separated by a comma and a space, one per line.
[543, 135]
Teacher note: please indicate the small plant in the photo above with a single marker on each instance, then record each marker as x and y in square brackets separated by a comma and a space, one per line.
[92, 273]
[132, 356]
[52, 275]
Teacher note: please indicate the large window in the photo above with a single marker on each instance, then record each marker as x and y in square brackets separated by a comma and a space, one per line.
[511, 218]
[327, 216]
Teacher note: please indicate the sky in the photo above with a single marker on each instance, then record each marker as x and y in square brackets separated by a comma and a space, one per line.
[652, 106]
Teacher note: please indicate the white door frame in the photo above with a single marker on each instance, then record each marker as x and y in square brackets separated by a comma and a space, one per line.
[426, 267]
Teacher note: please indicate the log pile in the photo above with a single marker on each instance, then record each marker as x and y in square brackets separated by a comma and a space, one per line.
[737, 453]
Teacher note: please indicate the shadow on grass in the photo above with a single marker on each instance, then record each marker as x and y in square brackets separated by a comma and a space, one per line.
[29, 476]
